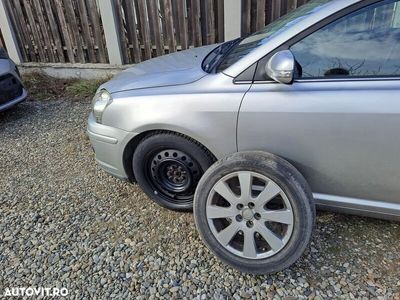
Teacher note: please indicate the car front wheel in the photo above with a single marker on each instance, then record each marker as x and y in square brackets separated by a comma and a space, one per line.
[255, 211]
[168, 167]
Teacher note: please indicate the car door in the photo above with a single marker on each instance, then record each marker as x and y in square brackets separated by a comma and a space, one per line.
[339, 121]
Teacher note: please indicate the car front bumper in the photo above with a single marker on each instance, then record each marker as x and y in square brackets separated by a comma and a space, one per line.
[12, 91]
[108, 144]
[15, 101]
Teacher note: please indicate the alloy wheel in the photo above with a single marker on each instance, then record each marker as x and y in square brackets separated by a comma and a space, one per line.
[250, 215]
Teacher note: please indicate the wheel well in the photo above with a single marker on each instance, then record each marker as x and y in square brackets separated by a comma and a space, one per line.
[133, 143]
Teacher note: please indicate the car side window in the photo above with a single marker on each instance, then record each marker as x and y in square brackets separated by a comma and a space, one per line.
[365, 43]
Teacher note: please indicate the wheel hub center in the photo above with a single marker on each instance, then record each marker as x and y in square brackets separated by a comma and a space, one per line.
[176, 174]
[247, 214]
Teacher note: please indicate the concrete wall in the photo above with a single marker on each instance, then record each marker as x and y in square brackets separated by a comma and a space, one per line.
[84, 71]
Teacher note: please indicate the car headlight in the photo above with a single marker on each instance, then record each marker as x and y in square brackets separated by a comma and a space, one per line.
[100, 102]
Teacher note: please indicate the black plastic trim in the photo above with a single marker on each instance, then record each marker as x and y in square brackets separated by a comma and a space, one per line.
[247, 76]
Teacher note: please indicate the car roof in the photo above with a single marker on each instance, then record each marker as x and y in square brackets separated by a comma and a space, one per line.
[275, 41]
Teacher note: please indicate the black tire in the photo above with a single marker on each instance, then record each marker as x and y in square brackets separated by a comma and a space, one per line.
[187, 156]
[290, 181]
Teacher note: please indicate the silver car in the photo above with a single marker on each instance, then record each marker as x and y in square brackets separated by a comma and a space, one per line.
[12, 90]
[317, 92]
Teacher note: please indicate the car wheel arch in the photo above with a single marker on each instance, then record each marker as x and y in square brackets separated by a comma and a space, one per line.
[131, 146]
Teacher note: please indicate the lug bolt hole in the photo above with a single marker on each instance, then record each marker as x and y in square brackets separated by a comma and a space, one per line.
[257, 216]
[249, 224]
[240, 206]
[251, 205]
[239, 218]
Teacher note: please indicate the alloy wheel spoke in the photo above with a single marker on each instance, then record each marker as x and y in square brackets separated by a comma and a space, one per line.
[249, 216]
[225, 191]
[226, 235]
[269, 193]
[274, 241]
[249, 246]
[245, 185]
[284, 216]
[218, 212]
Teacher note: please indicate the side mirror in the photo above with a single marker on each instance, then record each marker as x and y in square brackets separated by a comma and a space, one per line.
[280, 67]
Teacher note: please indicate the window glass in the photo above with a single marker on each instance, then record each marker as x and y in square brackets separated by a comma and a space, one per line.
[363, 44]
[261, 37]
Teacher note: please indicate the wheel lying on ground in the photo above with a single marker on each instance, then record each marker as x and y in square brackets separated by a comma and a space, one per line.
[168, 167]
[255, 212]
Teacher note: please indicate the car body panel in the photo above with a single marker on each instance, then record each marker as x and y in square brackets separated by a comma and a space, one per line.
[357, 206]
[109, 144]
[173, 69]
[340, 134]
[200, 110]
[7, 67]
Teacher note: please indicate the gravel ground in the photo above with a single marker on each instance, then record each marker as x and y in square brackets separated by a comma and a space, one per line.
[65, 223]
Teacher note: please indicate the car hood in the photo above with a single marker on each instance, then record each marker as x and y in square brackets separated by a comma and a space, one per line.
[173, 69]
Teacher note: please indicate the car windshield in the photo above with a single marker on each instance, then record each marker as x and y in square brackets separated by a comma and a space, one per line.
[214, 58]
[242, 47]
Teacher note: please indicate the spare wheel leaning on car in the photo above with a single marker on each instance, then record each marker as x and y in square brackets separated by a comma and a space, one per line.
[255, 212]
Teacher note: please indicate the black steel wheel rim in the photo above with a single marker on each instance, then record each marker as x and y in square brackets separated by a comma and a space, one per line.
[173, 174]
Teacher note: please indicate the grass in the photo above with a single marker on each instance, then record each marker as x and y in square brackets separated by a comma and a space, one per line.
[44, 87]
